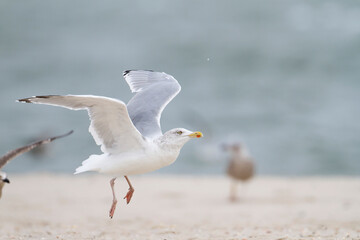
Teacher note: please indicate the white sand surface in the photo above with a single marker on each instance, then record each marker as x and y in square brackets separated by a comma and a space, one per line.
[47, 206]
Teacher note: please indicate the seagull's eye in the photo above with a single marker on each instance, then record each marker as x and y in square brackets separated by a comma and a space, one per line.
[179, 132]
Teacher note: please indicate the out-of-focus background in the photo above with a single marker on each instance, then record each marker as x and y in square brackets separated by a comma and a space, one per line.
[280, 76]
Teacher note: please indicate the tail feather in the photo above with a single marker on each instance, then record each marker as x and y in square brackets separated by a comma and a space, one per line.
[90, 164]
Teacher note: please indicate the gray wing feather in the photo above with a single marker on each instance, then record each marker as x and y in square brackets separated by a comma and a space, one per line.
[154, 90]
[14, 153]
[110, 124]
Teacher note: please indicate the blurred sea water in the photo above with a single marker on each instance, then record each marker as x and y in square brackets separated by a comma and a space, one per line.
[280, 76]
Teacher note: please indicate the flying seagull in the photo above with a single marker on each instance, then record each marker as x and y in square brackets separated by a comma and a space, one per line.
[14, 153]
[130, 135]
[241, 166]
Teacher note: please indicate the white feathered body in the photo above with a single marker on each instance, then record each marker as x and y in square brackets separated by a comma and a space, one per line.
[130, 163]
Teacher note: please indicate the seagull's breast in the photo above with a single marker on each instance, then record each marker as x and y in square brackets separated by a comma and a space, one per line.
[139, 162]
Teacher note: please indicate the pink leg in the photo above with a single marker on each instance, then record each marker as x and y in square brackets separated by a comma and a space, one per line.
[113, 206]
[130, 192]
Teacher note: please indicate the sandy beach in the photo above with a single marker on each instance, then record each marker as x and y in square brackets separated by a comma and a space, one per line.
[46, 206]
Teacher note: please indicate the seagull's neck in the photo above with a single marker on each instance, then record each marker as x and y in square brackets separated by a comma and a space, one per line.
[166, 145]
[168, 151]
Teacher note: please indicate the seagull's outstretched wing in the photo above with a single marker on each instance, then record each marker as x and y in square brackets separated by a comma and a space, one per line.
[154, 90]
[12, 154]
[110, 124]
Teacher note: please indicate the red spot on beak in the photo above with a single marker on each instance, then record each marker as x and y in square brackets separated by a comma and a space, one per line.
[198, 136]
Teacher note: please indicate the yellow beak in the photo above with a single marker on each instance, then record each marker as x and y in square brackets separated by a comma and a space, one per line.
[195, 135]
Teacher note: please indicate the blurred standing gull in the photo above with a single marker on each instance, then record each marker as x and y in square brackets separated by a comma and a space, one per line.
[130, 135]
[14, 153]
[241, 166]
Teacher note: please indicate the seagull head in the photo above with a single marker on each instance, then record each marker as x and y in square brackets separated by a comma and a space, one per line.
[179, 136]
[3, 177]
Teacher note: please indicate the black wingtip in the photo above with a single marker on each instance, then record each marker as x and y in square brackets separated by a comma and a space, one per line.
[61, 136]
[29, 100]
[6, 180]
[70, 132]
[24, 100]
[128, 71]
[67, 134]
